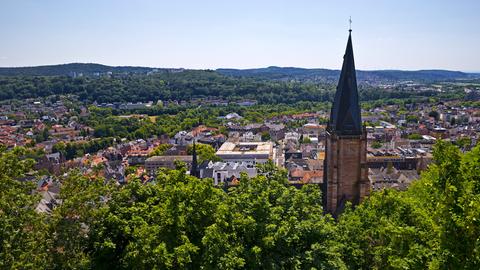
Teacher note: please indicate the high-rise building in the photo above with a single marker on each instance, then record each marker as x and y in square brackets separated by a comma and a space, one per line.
[346, 171]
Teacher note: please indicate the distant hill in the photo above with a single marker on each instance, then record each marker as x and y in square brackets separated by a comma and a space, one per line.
[283, 73]
[269, 73]
[435, 75]
[186, 85]
[69, 70]
[329, 75]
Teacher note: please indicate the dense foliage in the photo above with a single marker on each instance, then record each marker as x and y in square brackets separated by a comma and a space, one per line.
[318, 74]
[179, 221]
[23, 242]
[72, 150]
[109, 123]
[73, 69]
[269, 73]
[185, 86]
[160, 86]
[205, 152]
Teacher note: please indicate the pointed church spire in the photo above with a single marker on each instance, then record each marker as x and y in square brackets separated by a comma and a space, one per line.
[194, 170]
[345, 167]
[345, 118]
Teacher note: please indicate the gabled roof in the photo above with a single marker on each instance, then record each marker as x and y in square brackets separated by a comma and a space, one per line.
[345, 118]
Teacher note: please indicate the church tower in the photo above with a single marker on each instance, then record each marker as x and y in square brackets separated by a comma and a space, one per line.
[346, 172]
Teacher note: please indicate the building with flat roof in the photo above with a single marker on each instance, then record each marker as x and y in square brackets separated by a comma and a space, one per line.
[152, 164]
[252, 152]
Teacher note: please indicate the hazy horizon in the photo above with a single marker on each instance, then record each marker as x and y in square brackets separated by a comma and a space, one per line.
[212, 34]
[246, 68]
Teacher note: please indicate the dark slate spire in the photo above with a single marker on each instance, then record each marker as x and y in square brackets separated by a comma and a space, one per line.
[345, 118]
[194, 170]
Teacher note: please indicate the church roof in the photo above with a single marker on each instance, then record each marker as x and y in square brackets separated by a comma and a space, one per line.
[345, 118]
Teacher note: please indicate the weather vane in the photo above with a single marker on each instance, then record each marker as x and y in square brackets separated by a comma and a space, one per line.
[350, 21]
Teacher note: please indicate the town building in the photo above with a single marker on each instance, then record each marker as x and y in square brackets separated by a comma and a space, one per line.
[226, 172]
[154, 163]
[390, 177]
[250, 152]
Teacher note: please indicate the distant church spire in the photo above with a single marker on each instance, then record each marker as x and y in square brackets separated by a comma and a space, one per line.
[345, 118]
[194, 170]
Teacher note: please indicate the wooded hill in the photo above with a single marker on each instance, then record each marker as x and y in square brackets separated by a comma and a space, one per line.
[269, 73]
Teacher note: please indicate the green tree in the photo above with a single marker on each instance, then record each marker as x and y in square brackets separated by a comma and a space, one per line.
[464, 143]
[42, 136]
[204, 151]
[22, 233]
[72, 225]
[415, 136]
[450, 192]
[376, 144]
[434, 114]
[306, 140]
[266, 136]
[412, 118]
[60, 147]
[273, 225]
[160, 150]
[434, 224]
[157, 226]
[387, 231]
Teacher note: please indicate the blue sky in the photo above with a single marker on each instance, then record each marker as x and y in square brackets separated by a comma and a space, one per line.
[403, 34]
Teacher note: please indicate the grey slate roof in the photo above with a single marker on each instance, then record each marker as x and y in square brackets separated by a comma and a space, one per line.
[345, 118]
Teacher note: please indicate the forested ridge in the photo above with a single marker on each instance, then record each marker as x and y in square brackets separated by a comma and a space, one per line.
[269, 73]
[184, 86]
[181, 222]
[329, 75]
[70, 69]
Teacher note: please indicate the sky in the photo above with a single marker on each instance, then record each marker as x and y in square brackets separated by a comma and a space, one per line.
[209, 34]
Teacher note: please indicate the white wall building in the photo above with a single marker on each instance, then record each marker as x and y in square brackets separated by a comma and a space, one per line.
[221, 172]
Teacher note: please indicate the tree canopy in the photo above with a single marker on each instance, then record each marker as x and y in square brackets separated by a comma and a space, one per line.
[187, 85]
[180, 221]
